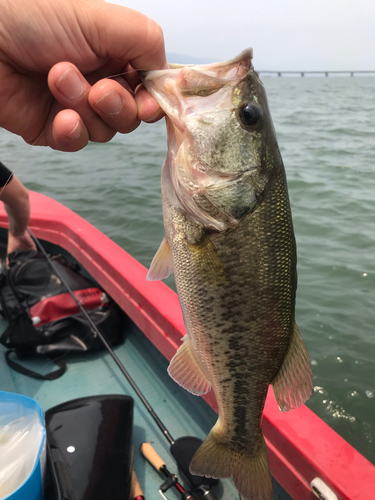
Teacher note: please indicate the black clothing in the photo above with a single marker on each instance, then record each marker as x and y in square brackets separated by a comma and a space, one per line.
[5, 174]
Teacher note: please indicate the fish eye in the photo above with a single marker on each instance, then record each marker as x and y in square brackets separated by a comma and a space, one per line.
[250, 114]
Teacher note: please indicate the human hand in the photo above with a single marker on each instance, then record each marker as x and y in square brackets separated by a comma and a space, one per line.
[77, 102]
[21, 242]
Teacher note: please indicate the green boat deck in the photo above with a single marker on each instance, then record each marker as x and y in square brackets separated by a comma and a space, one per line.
[92, 374]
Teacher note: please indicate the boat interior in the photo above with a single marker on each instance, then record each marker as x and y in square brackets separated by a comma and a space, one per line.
[90, 374]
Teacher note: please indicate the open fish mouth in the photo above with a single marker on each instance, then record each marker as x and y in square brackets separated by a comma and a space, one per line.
[245, 57]
[198, 80]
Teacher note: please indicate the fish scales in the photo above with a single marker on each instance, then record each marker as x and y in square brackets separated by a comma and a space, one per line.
[238, 333]
[230, 242]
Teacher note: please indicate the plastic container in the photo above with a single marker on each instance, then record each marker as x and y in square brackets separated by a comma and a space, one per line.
[22, 448]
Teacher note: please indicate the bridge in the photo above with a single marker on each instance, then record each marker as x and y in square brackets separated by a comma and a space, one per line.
[323, 73]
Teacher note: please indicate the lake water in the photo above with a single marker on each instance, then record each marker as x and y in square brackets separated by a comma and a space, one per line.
[326, 133]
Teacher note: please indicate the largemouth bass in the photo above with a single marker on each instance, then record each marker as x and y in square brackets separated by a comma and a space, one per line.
[229, 240]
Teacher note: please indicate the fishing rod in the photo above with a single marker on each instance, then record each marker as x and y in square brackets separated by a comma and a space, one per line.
[136, 492]
[172, 481]
[202, 492]
[98, 332]
[183, 448]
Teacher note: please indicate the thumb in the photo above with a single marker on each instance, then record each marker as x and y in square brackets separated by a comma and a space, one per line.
[128, 35]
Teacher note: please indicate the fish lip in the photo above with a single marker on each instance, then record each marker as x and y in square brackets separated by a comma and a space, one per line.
[246, 55]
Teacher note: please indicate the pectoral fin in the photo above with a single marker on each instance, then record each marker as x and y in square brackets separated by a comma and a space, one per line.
[293, 383]
[162, 263]
[208, 262]
[185, 370]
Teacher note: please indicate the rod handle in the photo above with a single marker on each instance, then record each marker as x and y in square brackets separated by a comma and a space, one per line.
[136, 491]
[150, 454]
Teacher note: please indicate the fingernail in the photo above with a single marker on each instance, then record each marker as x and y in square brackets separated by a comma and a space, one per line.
[70, 84]
[76, 132]
[156, 116]
[110, 104]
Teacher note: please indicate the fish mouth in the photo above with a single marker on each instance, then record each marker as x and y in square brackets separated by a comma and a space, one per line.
[243, 60]
[245, 55]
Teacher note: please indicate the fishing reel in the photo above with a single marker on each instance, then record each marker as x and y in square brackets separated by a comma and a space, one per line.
[203, 492]
[200, 493]
[183, 450]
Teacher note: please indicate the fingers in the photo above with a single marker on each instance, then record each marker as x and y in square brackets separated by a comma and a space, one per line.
[68, 132]
[94, 113]
[97, 112]
[21, 242]
[115, 105]
[148, 109]
[71, 90]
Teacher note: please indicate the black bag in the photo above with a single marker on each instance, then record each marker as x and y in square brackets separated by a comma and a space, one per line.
[43, 317]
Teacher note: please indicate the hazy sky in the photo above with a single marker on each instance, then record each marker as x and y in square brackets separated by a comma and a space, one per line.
[285, 34]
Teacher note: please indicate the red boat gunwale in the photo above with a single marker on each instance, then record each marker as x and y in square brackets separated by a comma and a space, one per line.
[300, 445]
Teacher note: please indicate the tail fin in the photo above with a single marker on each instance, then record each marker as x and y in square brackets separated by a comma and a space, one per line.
[251, 473]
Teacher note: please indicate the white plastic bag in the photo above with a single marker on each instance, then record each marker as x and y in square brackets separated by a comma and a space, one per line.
[21, 440]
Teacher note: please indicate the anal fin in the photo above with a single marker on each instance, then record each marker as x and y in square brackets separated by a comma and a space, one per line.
[185, 370]
[162, 263]
[293, 385]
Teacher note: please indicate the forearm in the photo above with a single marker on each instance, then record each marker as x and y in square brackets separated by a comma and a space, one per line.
[16, 202]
